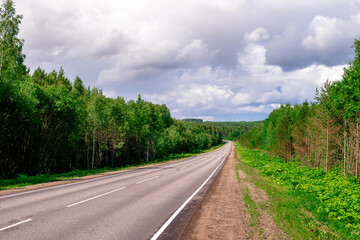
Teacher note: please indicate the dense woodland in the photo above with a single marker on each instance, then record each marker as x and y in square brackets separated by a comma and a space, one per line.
[233, 130]
[324, 133]
[51, 124]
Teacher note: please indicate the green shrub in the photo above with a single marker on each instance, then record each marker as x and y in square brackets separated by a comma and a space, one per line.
[337, 196]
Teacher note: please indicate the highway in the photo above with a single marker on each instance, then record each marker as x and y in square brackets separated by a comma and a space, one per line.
[138, 204]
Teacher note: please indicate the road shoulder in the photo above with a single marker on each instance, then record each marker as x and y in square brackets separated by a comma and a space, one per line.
[222, 213]
[234, 208]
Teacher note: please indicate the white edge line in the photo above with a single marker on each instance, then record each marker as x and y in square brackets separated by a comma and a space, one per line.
[167, 223]
[80, 182]
[64, 185]
[84, 181]
[147, 179]
[27, 220]
[170, 172]
[70, 184]
[96, 197]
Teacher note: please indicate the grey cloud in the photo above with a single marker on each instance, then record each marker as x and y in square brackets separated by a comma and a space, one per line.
[109, 45]
[288, 53]
[326, 40]
[231, 57]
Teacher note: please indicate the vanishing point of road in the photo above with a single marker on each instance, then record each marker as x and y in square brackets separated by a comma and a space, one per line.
[147, 203]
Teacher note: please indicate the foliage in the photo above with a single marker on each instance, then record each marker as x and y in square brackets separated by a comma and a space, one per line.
[192, 120]
[324, 133]
[233, 130]
[11, 57]
[49, 124]
[336, 197]
[345, 96]
[66, 126]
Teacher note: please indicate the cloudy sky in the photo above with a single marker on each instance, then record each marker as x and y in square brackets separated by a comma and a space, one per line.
[218, 60]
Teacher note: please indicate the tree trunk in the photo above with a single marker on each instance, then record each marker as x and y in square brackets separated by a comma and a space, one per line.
[316, 159]
[112, 156]
[357, 150]
[345, 147]
[147, 152]
[93, 153]
[107, 157]
[290, 150]
[327, 145]
[310, 152]
[77, 161]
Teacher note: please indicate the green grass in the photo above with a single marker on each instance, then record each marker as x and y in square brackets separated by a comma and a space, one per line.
[250, 205]
[254, 212]
[24, 180]
[294, 211]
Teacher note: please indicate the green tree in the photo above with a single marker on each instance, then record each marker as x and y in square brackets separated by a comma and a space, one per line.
[345, 97]
[283, 135]
[11, 57]
[326, 119]
[16, 97]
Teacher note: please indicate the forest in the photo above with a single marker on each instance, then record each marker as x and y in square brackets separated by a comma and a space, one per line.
[233, 130]
[320, 134]
[49, 124]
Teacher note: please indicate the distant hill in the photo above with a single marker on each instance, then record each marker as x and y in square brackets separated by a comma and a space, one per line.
[233, 130]
[192, 120]
[228, 130]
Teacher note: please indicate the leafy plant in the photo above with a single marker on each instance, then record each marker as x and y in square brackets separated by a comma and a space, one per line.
[336, 198]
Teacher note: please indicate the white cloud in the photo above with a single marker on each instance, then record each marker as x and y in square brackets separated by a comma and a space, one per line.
[256, 35]
[260, 109]
[253, 57]
[242, 99]
[195, 49]
[202, 58]
[259, 89]
[253, 60]
[323, 32]
[202, 95]
[327, 32]
[206, 118]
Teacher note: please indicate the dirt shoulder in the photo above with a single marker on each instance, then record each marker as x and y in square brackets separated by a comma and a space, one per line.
[233, 209]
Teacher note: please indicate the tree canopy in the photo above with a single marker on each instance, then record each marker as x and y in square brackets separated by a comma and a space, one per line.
[49, 123]
[324, 133]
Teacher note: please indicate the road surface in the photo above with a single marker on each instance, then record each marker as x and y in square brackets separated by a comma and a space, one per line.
[138, 204]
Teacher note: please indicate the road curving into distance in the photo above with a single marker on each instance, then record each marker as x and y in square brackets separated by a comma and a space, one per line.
[139, 204]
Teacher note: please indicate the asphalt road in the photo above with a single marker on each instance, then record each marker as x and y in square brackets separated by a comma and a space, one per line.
[128, 205]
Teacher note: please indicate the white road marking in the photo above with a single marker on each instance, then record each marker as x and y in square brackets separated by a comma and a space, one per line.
[96, 197]
[85, 181]
[27, 220]
[169, 172]
[82, 181]
[70, 184]
[147, 179]
[167, 223]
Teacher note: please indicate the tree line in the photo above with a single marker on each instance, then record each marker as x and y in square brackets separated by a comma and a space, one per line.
[234, 130]
[324, 133]
[51, 124]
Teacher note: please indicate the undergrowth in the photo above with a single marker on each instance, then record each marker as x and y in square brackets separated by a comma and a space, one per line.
[305, 202]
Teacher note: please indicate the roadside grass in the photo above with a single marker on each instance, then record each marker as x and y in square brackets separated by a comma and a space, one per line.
[24, 180]
[250, 205]
[254, 214]
[293, 211]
